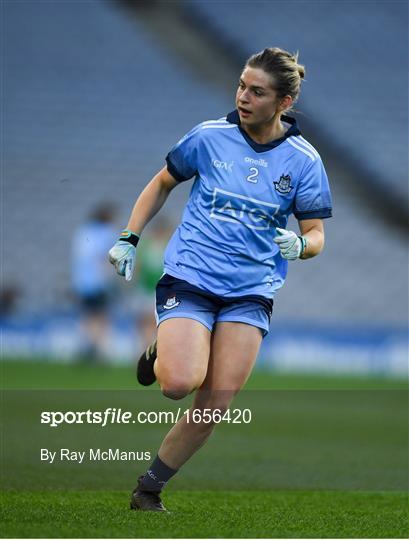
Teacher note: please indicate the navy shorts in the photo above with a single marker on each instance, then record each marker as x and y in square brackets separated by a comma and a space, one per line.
[176, 298]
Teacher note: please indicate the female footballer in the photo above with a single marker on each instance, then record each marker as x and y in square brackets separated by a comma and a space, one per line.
[229, 255]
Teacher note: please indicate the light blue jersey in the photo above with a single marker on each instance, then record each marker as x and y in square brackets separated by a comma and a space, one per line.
[242, 191]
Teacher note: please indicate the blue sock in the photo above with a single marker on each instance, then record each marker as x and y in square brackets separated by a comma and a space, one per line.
[156, 476]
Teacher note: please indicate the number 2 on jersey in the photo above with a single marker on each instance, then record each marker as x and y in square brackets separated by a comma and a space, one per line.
[253, 176]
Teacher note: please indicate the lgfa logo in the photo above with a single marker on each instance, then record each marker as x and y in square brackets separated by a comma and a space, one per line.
[223, 165]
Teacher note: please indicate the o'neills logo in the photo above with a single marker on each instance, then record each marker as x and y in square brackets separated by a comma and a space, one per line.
[259, 162]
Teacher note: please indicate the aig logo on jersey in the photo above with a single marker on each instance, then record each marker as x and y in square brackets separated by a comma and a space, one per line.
[171, 302]
[284, 186]
[241, 210]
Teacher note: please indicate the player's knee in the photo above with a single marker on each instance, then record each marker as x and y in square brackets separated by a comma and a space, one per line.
[175, 392]
[176, 388]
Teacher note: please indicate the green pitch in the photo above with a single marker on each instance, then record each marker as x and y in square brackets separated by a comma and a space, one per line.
[23, 374]
[249, 481]
[205, 514]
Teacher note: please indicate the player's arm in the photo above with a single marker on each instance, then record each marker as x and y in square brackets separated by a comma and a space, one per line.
[312, 230]
[150, 201]
[309, 244]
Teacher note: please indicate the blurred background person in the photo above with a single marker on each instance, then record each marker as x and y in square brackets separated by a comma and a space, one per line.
[91, 280]
[9, 298]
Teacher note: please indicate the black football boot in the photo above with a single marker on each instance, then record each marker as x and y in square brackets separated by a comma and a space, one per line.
[144, 370]
[146, 500]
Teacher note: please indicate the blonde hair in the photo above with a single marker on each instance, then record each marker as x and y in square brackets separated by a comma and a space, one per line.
[284, 69]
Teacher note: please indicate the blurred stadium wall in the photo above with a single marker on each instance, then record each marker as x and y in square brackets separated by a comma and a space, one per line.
[94, 95]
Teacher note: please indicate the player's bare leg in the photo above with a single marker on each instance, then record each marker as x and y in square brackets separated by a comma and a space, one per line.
[180, 367]
[183, 356]
[180, 360]
[234, 350]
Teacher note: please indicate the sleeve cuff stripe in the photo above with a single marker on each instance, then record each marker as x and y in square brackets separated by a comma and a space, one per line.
[174, 172]
[314, 214]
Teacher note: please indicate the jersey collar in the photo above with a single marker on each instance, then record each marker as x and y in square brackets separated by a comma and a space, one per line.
[234, 118]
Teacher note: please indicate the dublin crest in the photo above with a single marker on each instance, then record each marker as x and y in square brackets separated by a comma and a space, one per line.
[171, 302]
[284, 184]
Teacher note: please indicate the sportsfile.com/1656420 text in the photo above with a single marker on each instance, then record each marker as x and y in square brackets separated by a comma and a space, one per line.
[112, 415]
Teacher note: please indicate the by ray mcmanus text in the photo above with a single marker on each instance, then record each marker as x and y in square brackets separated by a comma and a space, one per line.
[92, 454]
